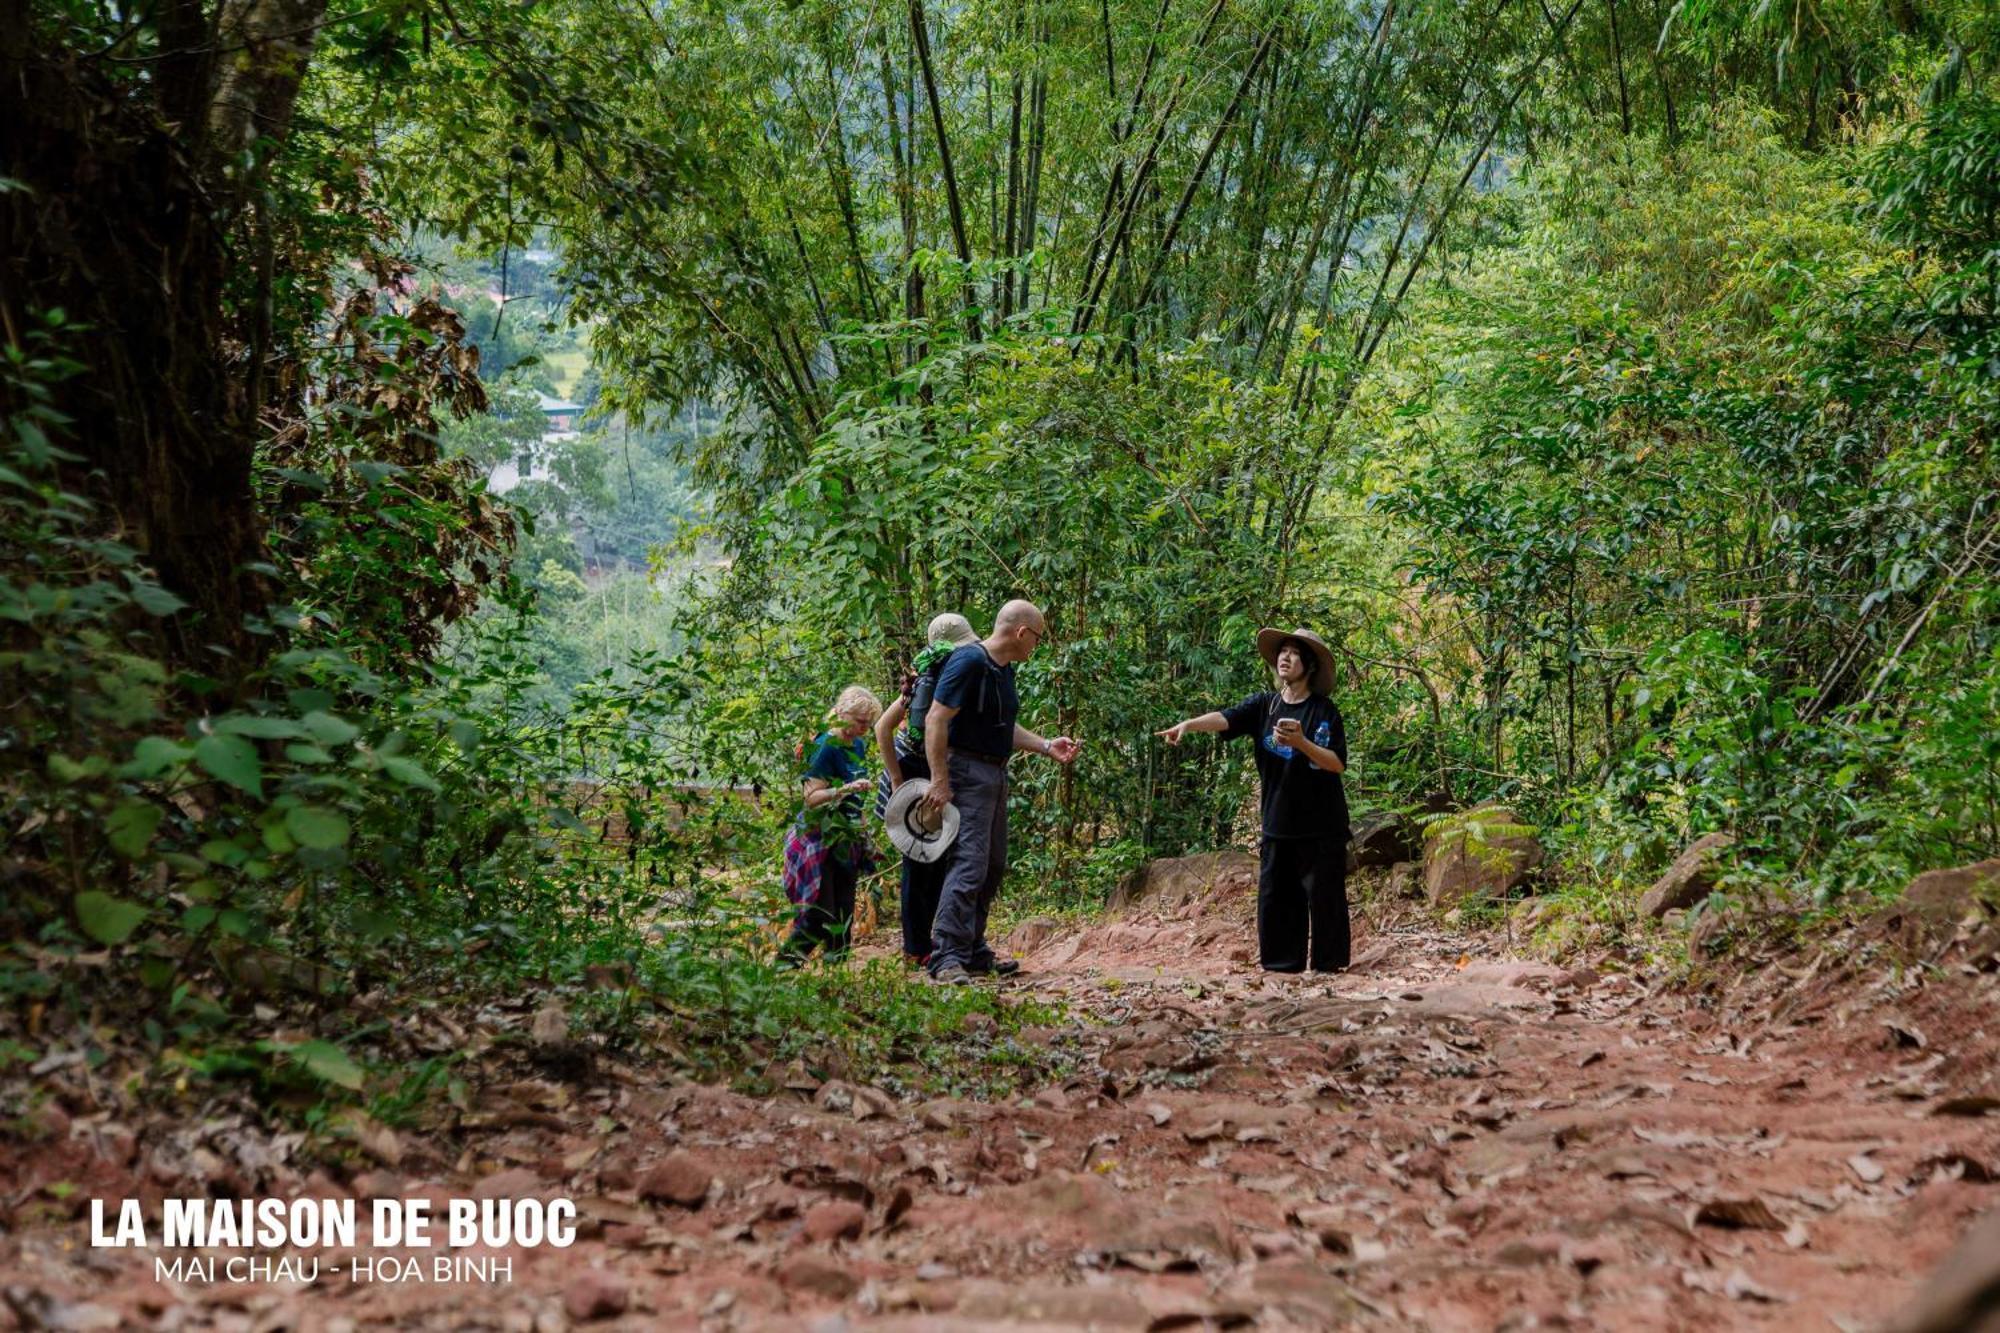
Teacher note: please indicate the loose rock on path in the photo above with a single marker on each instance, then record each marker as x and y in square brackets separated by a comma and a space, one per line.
[1445, 1137]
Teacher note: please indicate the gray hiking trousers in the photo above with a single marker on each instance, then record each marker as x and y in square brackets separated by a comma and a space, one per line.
[978, 864]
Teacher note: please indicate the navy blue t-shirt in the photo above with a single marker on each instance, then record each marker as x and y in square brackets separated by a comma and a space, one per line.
[983, 693]
[837, 763]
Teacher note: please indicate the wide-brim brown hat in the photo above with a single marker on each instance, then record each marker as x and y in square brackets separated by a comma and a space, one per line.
[922, 835]
[1269, 641]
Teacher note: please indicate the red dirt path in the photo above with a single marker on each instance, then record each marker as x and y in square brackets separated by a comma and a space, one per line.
[1444, 1138]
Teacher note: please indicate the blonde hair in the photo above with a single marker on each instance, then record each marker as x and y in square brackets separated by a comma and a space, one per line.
[858, 703]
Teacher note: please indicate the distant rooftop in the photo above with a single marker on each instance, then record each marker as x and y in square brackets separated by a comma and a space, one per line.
[552, 406]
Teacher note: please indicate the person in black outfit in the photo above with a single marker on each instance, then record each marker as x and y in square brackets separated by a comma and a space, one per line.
[1301, 753]
[902, 754]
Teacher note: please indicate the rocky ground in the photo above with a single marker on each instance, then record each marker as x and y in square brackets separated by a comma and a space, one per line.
[1446, 1137]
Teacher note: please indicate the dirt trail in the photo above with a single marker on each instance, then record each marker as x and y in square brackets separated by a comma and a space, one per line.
[1444, 1138]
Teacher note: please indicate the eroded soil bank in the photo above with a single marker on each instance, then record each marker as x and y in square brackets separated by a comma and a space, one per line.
[1447, 1137]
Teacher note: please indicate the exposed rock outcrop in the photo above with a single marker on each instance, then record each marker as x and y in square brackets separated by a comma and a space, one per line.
[1690, 878]
[1382, 838]
[1174, 881]
[1481, 852]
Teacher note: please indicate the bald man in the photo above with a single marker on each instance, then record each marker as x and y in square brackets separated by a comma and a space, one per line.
[970, 734]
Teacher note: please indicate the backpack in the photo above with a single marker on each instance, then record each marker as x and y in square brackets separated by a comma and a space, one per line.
[928, 666]
[925, 669]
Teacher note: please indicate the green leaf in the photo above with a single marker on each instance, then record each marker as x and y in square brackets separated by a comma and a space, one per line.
[330, 730]
[106, 919]
[317, 827]
[154, 599]
[65, 769]
[310, 700]
[409, 773]
[152, 756]
[130, 828]
[260, 727]
[328, 1062]
[302, 752]
[233, 760]
[277, 840]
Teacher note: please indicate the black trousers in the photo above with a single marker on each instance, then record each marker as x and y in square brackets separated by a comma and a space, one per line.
[828, 921]
[1301, 895]
[921, 882]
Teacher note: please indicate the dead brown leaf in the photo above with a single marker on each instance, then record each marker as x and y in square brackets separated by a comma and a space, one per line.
[1738, 1215]
[551, 1024]
[375, 1138]
[1968, 1106]
[1955, 1165]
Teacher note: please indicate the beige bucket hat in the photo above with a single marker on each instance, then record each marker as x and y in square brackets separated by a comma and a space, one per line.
[1269, 641]
[952, 628]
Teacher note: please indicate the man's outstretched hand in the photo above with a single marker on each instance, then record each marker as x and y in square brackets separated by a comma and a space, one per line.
[1172, 735]
[1064, 750]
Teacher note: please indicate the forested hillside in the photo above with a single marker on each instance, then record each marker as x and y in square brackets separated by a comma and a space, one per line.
[1612, 383]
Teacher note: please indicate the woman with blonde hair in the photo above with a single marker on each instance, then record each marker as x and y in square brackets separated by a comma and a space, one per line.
[827, 850]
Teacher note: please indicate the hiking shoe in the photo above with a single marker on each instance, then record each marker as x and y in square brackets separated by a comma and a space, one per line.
[1006, 967]
[952, 975]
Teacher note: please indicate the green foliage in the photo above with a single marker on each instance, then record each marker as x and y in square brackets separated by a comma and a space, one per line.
[1713, 495]
[1620, 404]
[877, 1022]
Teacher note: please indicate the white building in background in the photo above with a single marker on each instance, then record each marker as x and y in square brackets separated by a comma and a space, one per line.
[559, 422]
[559, 416]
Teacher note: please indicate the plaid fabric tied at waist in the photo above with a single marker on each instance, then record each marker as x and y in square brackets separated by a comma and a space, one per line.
[805, 856]
[806, 853]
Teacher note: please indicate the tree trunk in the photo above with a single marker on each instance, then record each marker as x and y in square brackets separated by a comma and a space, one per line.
[921, 36]
[906, 203]
[1010, 238]
[125, 223]
[1618, 63]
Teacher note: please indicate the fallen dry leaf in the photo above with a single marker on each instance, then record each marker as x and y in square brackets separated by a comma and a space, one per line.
[375, 1138]
[1906, 1034]
[1738, 1214]
[1955, 1165]
[551, 1024]
[1739, 1286]
[1967, 1106]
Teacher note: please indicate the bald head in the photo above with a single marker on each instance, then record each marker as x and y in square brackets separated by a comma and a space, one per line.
[1017, 613]
[1017, 631]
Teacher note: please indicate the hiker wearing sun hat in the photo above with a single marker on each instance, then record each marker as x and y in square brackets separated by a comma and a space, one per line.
[1301, 753]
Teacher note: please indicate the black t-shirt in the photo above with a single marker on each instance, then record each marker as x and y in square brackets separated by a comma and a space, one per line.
[1300, 799]
[983, 693]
